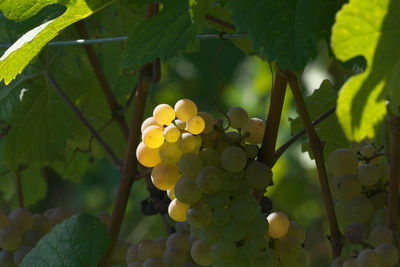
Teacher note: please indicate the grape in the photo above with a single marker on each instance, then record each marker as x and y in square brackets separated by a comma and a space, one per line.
[162, 241]
[20, 253]
[186, 190]
[379, 200]
[41, 224]
[345, 187]
[368, 150]
[361, 209]
[187, 143]
[223, 251]
[258, 175]
[231, 181]
[177, 210]
[172, 133]
[170, 153]
[343, 212]
[174, 257]
[163, 114]
[211, 233]
[184, 109]
[194, 231]
[148, 157]
[221, 216]
[149, 122]
[257, 246]
[379, 218]
[135, 264]
[299, 261]
[199, 215]
[297, 231]
[217, 200]
[195, 125]
[199, 143]
[244, 208]
[238, 117]
[388, 254]
[31, 237]
[208, 120]
[258, 226]
[7, 259]
[234, 231]
[178, 240]
[368, 258]
[60, 214]
[350, 263]
[338, 261]
[10, 238]
[368, 174]
[149, 249]
[210, 157]
[153, 262]
[153, 136]
[21, 219]
[256, 128]
[201, 252]
[288, 247]
[180, 124]
[190, 164]
[380, 235]
[164, 176]
[119, 253]
[3, 220]
[342, 161]
[104, 217]
[251, 151]
[171, 194]
[356, 232]
[209, 180]
[278, 224]
[385, 173]
[233, 159]
[235, 137]
[242, 189]
[182, 227]
[132, 254]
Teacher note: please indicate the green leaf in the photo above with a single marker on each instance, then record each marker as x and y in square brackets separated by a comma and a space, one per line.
[329, 130]
[198, 9]
[34, 186]
[21, 53]
[286, 31]
[370, 29]
[79, 241]
[164, 35]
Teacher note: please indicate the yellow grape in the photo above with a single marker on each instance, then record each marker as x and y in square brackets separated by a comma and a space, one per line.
[342, 161]
[170, 152]
[238, 117]
[195, 125]
[172, 133]
[278, 224]
[153, 136]
[180, 124]
[177, 210]
[255, 128]
[164, 114]
[208, 120]
[368, 258]
[171, 194]
[148, 157]
[164, 175]
[149, 122]
[201, 252]
[149, 249]
[380, 235]
[187, 143]
[184, 109]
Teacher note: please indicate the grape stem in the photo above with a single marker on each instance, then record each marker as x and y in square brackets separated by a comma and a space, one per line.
[317, 149]
[220, 22]
[105, 86]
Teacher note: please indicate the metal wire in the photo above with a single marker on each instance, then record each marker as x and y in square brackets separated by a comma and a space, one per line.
[124, 38]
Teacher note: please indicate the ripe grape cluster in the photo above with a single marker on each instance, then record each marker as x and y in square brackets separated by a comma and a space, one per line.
[209, 174]
[359, 184]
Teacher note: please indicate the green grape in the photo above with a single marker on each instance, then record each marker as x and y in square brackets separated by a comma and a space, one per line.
[209, 180]
[251, 151]
[199, 143]
[234, 231]
[231, 181]
[368, 150]
[164, 176]
[338, 261]
[60, 214]
[288, 247]
[3, 220]
[162, 241]
[177, 210]
[297, 231]
[345, 187]
[258, 175]
[149, 122]
[10, 238]
[180, 124]
[379, 217]
[178, 240]
[255, 128]
[217, 200]
[187, 143]
[201, 252]
[21, 219]
[182, 227]
[208, 120]
[268, 260]
[234, 137]
[184, 109]
[20, 253]
[163, 114]
[199, 215]
[135, 264]
[171, 133]
[388, 254]
[132, 255]
[153, 136]
[238, 117]
[300, 261]
[244, 208]
[104, 217]
[194, 231]
[350, 263]
[361, 209]
[119, 253]
[221, 216]
[195, 125]
[380, 235]
[190, 164]
[211, 233]
[379, 200]
[243, 258]
[368, 174]
[153, 262]
[233, 159]
[356, 232]
[174, 257]
[49, 214]
[31, 237]
[223, 251]
[342, 161]
[278, 224]
[7, 259]
[148, 248]
[169, 153]
[148, 157]
[243, 188]
[368, 258]
[186, 190]
[257, 246]
[41, 224]
[258, 226]
[210, 157]
[343, 212]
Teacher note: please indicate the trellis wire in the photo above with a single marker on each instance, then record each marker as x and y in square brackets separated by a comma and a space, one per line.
[124, 38]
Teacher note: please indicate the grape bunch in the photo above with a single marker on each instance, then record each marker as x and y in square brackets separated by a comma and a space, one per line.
[209, 174]
[20, 231]
[359, 185]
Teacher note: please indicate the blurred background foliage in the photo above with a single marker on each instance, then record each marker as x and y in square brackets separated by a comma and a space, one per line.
[89, 182]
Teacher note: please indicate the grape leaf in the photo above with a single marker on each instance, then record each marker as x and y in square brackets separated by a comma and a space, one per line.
[329, 130]
[164, 35]
[79, 241]
[370, 29]
[21, 53]
[287, 31]
[198, 9]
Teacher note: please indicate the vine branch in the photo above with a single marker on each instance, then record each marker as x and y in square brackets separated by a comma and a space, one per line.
[317, 149]
[106, 147]
[220, 22]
